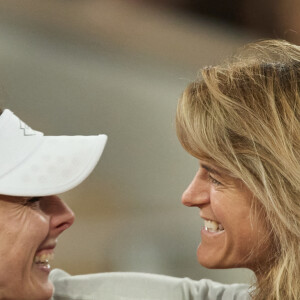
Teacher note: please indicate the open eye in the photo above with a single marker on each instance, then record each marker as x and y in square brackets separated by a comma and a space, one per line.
[214, 181]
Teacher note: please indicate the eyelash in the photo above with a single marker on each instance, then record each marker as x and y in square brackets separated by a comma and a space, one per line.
[213, 180]
[33, 200]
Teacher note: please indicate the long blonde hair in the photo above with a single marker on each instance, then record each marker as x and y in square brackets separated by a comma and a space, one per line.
[244, 115]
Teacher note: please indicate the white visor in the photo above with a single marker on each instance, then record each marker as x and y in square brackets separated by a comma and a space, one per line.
[32, 164]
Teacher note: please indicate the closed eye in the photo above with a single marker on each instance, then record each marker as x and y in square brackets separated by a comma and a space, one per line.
[33, 200]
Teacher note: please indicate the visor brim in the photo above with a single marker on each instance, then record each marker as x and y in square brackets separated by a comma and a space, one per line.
[57, 165]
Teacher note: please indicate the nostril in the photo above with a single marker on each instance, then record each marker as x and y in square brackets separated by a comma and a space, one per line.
[64, 221]
[64, 226]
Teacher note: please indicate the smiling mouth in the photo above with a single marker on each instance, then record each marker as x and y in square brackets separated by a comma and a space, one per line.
[43, 260]
[213, 226]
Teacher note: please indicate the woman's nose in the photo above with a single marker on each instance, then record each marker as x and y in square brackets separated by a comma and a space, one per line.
[61, 216]
[197, 193]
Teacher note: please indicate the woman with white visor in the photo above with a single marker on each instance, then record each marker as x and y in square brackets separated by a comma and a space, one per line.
[34, 168]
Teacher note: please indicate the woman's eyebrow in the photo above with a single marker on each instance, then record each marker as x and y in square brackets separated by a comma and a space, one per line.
[210, 169]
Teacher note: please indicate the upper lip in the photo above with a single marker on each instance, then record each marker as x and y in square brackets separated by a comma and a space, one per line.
[208, 219]
[49, 246]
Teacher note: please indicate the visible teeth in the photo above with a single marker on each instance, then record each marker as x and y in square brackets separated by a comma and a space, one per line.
[212, 226]
[44, 258]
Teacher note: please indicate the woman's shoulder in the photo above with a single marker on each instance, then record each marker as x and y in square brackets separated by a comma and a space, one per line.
[141, 286]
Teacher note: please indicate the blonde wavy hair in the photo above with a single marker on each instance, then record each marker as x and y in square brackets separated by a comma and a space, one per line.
[244, 116]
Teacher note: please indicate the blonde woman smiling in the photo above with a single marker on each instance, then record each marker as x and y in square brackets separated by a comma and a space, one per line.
[241, 121]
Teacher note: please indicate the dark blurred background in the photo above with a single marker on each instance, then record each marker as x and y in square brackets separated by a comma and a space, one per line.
[268, 18]
[118, 67]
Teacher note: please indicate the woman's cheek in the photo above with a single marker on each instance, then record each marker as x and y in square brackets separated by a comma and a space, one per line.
[220, 208]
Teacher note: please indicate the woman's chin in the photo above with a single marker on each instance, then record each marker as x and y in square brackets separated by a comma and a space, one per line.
[209, 264]
[43, 290]
[46, 292]
[38, 292]
[210, 259]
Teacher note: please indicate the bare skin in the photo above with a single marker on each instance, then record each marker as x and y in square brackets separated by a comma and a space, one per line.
[228, 202]
[29, 227]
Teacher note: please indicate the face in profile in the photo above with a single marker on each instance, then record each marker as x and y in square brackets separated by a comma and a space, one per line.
[232, 236]
[29, 228]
